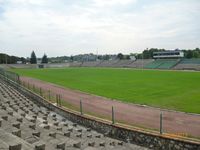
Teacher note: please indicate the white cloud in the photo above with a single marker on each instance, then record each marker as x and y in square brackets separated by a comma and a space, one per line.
[60, 27]
[112, 2]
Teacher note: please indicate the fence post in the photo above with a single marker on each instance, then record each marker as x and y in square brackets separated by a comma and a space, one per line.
[81, 107]
[59, 100]
[33, 88]
[18, 79]
[161, 119]
[40, 91]
[113, 116]
[49, 94]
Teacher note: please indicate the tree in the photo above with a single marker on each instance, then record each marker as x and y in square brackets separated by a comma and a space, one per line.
[146, 54]
[33, 59]
[106, 57]
[120, 56]
[71, 58]
[44, 59]
[7, 59]
[127, 57]
[195, 54]
[23, 60]
[189, 54]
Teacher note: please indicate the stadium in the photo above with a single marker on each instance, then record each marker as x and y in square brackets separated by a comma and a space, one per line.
[99, 75]
[144, 96]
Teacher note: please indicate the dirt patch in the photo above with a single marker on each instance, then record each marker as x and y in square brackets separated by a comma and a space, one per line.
[143, 116]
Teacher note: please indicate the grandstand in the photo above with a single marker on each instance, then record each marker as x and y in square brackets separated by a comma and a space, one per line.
[168, 54]
[90, 63]
[162, 64]
[55, 65]
[165, 59]
[75, 64]
[25, 125]
[188, 64]
[139, 63]
[190, 61]
[123, 63]
[168, 64]
[108, 63]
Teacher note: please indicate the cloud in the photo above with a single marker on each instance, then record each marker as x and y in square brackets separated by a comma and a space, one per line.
[112, 2]
[64, 27]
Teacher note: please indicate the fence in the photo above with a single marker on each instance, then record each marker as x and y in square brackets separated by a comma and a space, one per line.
[9, 75]
[58, 99]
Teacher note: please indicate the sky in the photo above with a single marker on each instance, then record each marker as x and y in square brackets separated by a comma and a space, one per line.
[70, 27]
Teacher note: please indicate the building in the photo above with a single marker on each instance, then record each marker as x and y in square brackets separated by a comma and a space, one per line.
[168, 54]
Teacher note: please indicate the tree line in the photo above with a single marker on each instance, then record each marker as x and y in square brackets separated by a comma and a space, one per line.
[146, 54]
[6, 59]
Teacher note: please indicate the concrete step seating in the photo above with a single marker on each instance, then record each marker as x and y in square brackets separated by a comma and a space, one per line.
[24, 125]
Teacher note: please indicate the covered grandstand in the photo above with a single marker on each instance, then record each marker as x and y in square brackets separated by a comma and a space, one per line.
[168, 54]
[165, 59]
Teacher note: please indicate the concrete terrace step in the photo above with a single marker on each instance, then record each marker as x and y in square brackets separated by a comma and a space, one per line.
[25, 125]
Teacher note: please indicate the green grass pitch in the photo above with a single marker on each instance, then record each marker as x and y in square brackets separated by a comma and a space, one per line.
[177, 90]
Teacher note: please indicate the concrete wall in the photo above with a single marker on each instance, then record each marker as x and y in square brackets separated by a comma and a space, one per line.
[150, 140]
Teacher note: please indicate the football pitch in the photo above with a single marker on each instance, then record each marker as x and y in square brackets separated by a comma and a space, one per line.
[177, 90]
